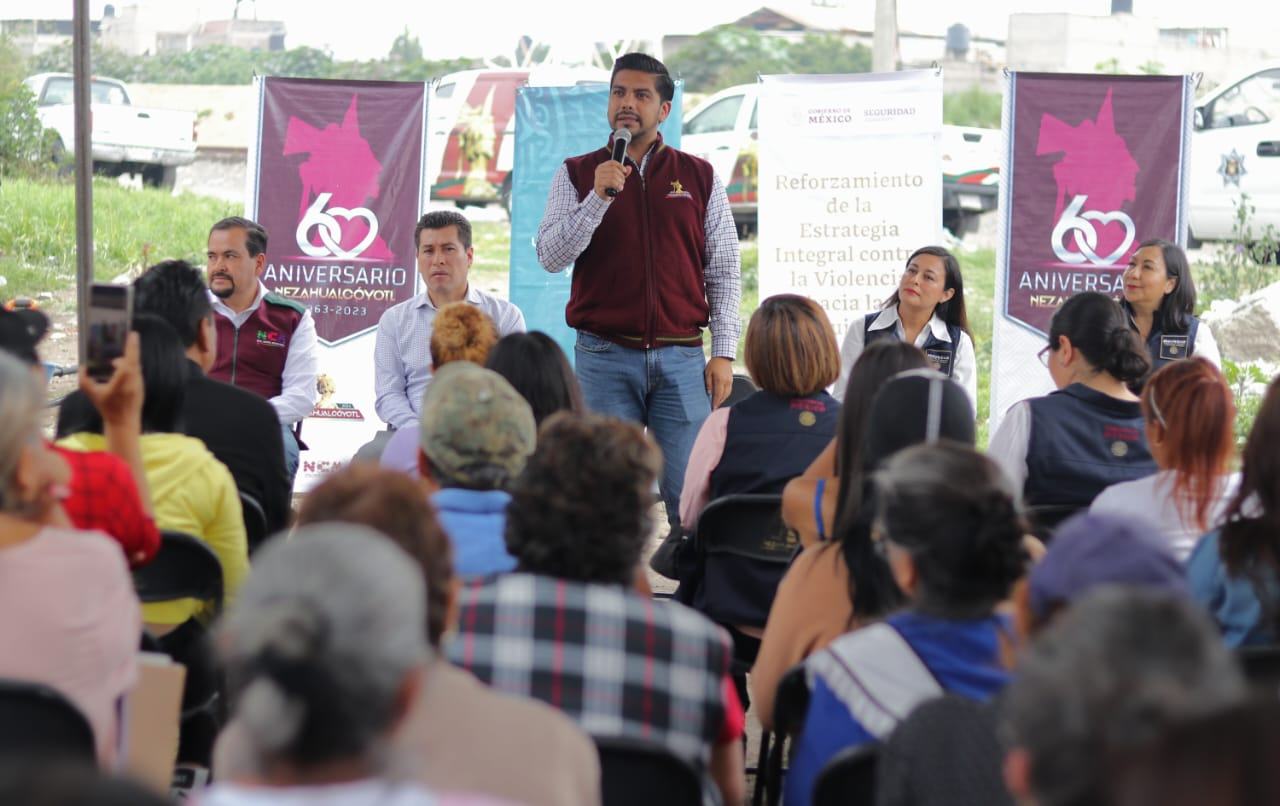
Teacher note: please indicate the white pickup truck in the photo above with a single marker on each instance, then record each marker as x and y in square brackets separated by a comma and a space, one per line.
[1235, 149]
[126, 138]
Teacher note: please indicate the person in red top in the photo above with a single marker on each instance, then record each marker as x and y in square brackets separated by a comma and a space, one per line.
[107, 491]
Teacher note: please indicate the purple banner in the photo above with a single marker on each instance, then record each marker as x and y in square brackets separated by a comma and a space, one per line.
[338, 189]
[1095, 169]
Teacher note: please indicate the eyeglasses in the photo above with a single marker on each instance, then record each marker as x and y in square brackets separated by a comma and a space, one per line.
[1043, 355]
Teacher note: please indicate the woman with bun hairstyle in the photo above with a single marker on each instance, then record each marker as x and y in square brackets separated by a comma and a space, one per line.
[1160, 299]
[928, 311]
[947, 523]
[1190, 416]
[1066, 447]
[1234, 571]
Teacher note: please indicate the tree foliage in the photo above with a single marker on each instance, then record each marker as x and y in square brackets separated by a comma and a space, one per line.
[728, 55]
[24, 144]
[972, 107]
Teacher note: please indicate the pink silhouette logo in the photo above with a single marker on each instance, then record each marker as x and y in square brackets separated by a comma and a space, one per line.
[1096, 176]
[339, 183]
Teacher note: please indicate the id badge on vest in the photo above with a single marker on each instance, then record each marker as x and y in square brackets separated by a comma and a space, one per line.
[1173, 347]
[941, 360]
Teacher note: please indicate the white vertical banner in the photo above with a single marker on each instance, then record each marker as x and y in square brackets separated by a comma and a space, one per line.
[850, 185]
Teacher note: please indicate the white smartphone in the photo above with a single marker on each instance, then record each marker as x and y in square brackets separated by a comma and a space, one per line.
[107, 327]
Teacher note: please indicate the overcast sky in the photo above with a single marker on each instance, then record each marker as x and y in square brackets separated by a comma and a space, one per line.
[449, 28]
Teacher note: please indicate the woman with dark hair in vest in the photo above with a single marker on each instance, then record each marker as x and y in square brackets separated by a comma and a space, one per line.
[928, 311]
[1066, 447]
[948, 526]
[1160, 299]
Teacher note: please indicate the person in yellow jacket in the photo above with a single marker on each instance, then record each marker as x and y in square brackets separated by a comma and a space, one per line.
[191, 491]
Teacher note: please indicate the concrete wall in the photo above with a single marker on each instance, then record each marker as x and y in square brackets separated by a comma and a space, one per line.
[228, 114]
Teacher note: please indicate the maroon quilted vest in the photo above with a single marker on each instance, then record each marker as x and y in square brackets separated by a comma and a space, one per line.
[253, 356]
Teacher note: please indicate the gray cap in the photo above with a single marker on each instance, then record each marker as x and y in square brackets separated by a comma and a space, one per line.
[475, 427]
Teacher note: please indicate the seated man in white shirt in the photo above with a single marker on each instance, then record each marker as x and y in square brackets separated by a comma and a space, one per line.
[275, 356]
[402, 363]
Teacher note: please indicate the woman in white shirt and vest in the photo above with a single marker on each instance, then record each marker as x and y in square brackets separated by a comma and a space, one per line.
[928, 311]
[1160, 299]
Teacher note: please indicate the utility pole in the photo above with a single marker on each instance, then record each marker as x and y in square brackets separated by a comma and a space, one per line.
[884, 51]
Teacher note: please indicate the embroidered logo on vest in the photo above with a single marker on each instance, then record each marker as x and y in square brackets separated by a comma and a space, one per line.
[941, 360]
[808, 418]
[1173, 347]
[271, 338]
[678, 191]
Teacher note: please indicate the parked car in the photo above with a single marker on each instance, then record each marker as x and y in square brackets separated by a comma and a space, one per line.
[1235, 150]
[722, 130]
[126, 138]
[471, 136]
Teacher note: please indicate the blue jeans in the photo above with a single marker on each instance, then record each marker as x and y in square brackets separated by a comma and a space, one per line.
[290, 452]
[663, 389]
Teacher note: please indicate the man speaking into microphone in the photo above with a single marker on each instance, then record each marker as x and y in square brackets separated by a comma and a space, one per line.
[655, 253]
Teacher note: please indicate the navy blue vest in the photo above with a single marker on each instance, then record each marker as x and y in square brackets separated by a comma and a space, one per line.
[1082, 442]
[771, 440]
[1165, 347]
[941, 353]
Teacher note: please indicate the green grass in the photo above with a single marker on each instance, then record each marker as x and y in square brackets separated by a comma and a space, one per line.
[132, 228]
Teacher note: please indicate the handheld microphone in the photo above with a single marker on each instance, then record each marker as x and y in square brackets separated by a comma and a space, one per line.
[621, 139]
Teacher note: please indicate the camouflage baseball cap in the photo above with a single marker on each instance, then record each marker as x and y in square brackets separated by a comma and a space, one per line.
[475, 427]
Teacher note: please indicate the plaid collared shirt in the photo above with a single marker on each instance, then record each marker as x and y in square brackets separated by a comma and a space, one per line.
[618, 663]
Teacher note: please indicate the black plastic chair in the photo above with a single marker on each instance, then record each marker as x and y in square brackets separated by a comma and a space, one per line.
[634, 772]
[1046, 518]
[744, 534]
[185, 567]
[255, 520]
[38, 722]
[790, 704]
[743, 387]
[1261, 665]
[849, 779]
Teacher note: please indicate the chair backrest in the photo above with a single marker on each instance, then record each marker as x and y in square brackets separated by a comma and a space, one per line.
[255, 520]
[1046, 518]
[634, 772]
[748, 525]
[37, 721]
[791, 702]
[1261, 666]
[849, 779]
[185, 567]
[747, 550]
[743, 388]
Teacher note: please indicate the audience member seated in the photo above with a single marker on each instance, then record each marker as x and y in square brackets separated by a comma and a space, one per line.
[1190, 430]
[108, 489]
[71, 619]
[325, 652]
[1110, 675]
[1160, 299]
[192, 491]
[1224, 757]
[65, 783]
[617, 662]
[842, 584]
[1090, 551]
[462, 332]
[948, 751]
[457, 727]
[476, 434]
[948, 524]
[442, 243]
[757, 446]
[1065, 448]
[814, 503]
[241, 429]
[1235, 570]
[537, 368]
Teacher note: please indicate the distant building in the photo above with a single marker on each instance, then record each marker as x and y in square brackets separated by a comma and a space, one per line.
[978, 62]
[152, 27]
[34, 36]
[244, 34]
